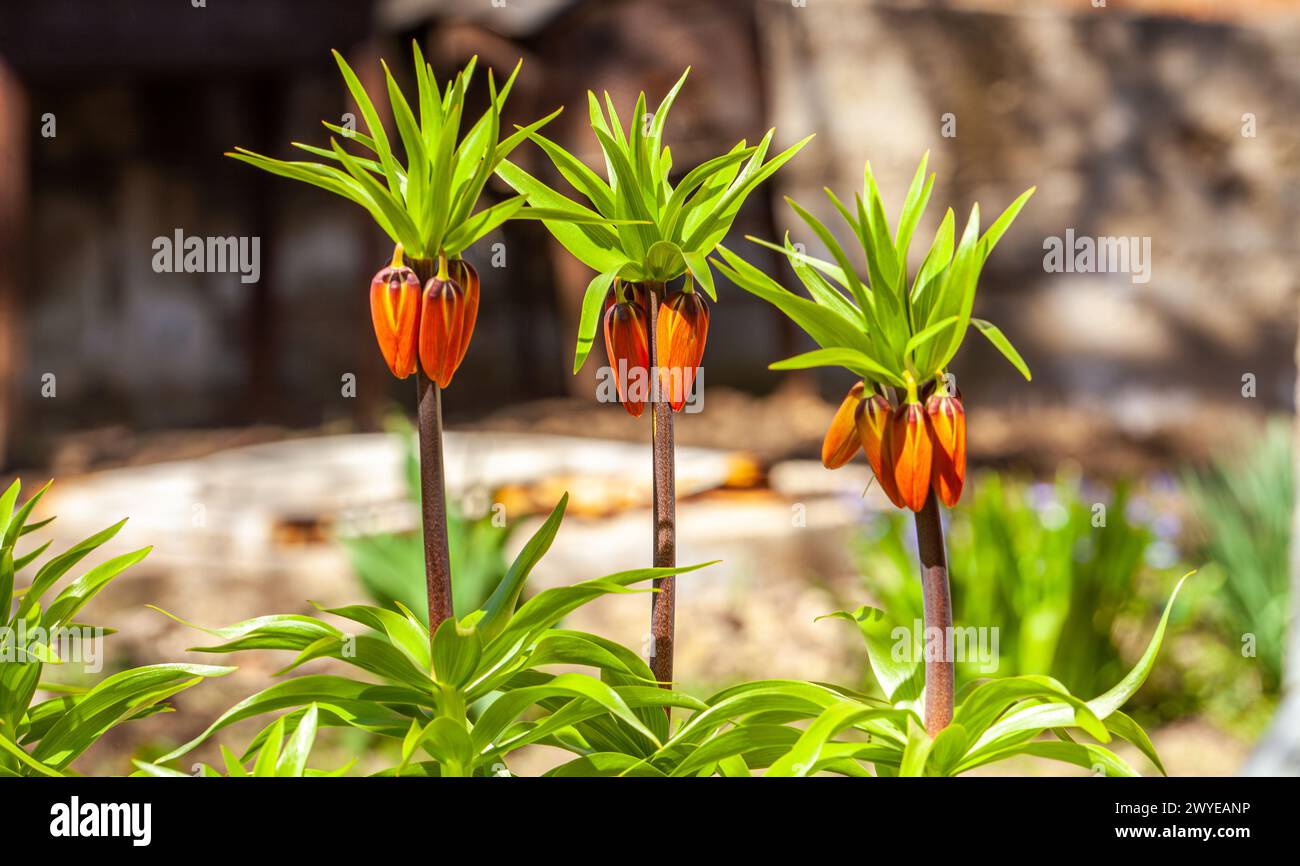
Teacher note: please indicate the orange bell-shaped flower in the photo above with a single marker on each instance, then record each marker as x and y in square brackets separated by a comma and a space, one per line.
[842, 440]
[683, 328]
[874, 416]
[947, 420]
[627, 343]
[395, 312]
[909, 452]
[467, 278]
[443, 337]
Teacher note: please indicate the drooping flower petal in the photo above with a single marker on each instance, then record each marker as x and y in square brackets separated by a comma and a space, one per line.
[683, 329]
[910, 454]
[442, 317]
[627, 343]
[395, 313]
[946, 417]
[874, 417]
[842, 438]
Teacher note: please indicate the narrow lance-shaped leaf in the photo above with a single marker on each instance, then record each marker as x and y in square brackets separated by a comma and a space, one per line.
[373, 123]
[589, 322]
[851, 359]
[1003, 345]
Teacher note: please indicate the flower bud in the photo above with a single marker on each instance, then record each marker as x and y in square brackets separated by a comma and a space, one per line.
[683, 327]
[874, 416]
[842, 439]
[947, 420]
[442, 325]
[395, 312]
[627, 343]
[909, 454]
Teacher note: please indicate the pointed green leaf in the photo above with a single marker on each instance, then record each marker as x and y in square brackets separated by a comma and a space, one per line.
[1003, 345]
[593, 301]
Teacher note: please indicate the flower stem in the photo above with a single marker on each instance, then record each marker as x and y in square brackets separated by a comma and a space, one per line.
[938, 615]
[433, 502]
[433, 486]
[663, 602]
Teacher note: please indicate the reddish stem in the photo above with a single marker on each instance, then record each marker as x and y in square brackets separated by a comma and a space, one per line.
[663, 602]
[937, 602]
[433, 486]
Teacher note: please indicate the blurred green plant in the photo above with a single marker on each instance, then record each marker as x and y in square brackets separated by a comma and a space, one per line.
[1053, 570]
[1242, 512]
[390, 565]
[45, 737]
[281, 755]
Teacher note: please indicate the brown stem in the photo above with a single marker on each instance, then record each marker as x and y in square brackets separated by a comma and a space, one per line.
[663, 602]
[433, 503]
[433, 485]
[938, 615]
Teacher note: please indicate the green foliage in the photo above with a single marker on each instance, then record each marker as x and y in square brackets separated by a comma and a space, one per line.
[1030, 560]
[280, 755]
[639, 227]
[885, 328]
[461, 701]
[792, 728]
[1243, 508]
[44, 737]
[390, 565]
[426, 204]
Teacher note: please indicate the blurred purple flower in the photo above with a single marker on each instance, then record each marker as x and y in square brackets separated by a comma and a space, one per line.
[1167, 526]
[1041, 496]
[1139, 511]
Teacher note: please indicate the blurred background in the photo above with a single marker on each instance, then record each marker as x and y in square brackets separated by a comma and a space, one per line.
[251, 432]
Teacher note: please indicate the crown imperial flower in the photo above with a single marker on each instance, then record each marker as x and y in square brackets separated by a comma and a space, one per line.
[627, 342]
[946, 417]
[448, 310]
[681, 332]
[395, 312]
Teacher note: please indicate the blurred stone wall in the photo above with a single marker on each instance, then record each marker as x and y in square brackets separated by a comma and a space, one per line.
[1129, 126]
